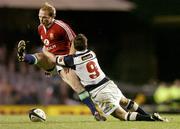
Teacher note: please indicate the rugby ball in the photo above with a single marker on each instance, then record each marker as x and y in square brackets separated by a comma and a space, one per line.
[37, 115]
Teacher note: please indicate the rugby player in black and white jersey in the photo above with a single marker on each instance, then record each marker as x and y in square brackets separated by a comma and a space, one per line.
[104, 92]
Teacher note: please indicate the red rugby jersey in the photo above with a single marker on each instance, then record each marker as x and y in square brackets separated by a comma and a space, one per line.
[57, 39]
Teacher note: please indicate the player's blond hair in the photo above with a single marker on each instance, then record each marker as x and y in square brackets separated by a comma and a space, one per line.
[49, 8]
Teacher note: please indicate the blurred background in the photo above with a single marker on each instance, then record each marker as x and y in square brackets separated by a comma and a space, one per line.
[137, 43]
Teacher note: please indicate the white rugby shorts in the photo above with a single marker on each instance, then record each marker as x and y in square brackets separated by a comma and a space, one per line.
[107, 97]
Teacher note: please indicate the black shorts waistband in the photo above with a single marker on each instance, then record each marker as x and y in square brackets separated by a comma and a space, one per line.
[92, 87]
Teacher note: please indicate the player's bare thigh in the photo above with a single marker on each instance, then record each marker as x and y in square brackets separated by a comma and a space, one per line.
[44, 62]
[70, 77]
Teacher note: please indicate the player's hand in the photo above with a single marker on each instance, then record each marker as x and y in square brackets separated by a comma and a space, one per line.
[99, 117]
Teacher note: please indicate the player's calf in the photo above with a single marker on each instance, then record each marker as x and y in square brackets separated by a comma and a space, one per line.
[121, 114]
[132, 106]
[134, 116]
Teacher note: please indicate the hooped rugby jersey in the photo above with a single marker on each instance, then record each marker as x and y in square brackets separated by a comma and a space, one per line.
[85, 65]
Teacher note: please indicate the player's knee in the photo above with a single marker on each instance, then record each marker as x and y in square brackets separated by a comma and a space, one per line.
[124, 101]
[43, 62]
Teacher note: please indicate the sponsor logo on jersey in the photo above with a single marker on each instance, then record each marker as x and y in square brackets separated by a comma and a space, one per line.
[51, 47]
[46, 42]
[88, 56]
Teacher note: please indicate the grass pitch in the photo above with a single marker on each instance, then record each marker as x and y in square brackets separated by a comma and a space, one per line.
[84, 122]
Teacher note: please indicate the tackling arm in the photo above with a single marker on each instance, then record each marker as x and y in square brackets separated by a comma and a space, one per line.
[72, 50]
[67, 61]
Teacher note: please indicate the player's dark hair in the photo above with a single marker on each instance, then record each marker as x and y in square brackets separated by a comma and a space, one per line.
[80, 42]
[48, 7]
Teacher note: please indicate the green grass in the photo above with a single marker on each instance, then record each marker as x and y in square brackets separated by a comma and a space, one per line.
[84, 122]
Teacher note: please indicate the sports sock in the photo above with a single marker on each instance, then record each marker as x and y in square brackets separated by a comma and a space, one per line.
[30, 59]
[134, 116]
[135, 107]
[140, 117]
[131, 116]
[86, 99]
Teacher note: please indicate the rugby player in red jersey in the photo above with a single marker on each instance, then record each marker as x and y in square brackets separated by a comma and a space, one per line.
[56, 37]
